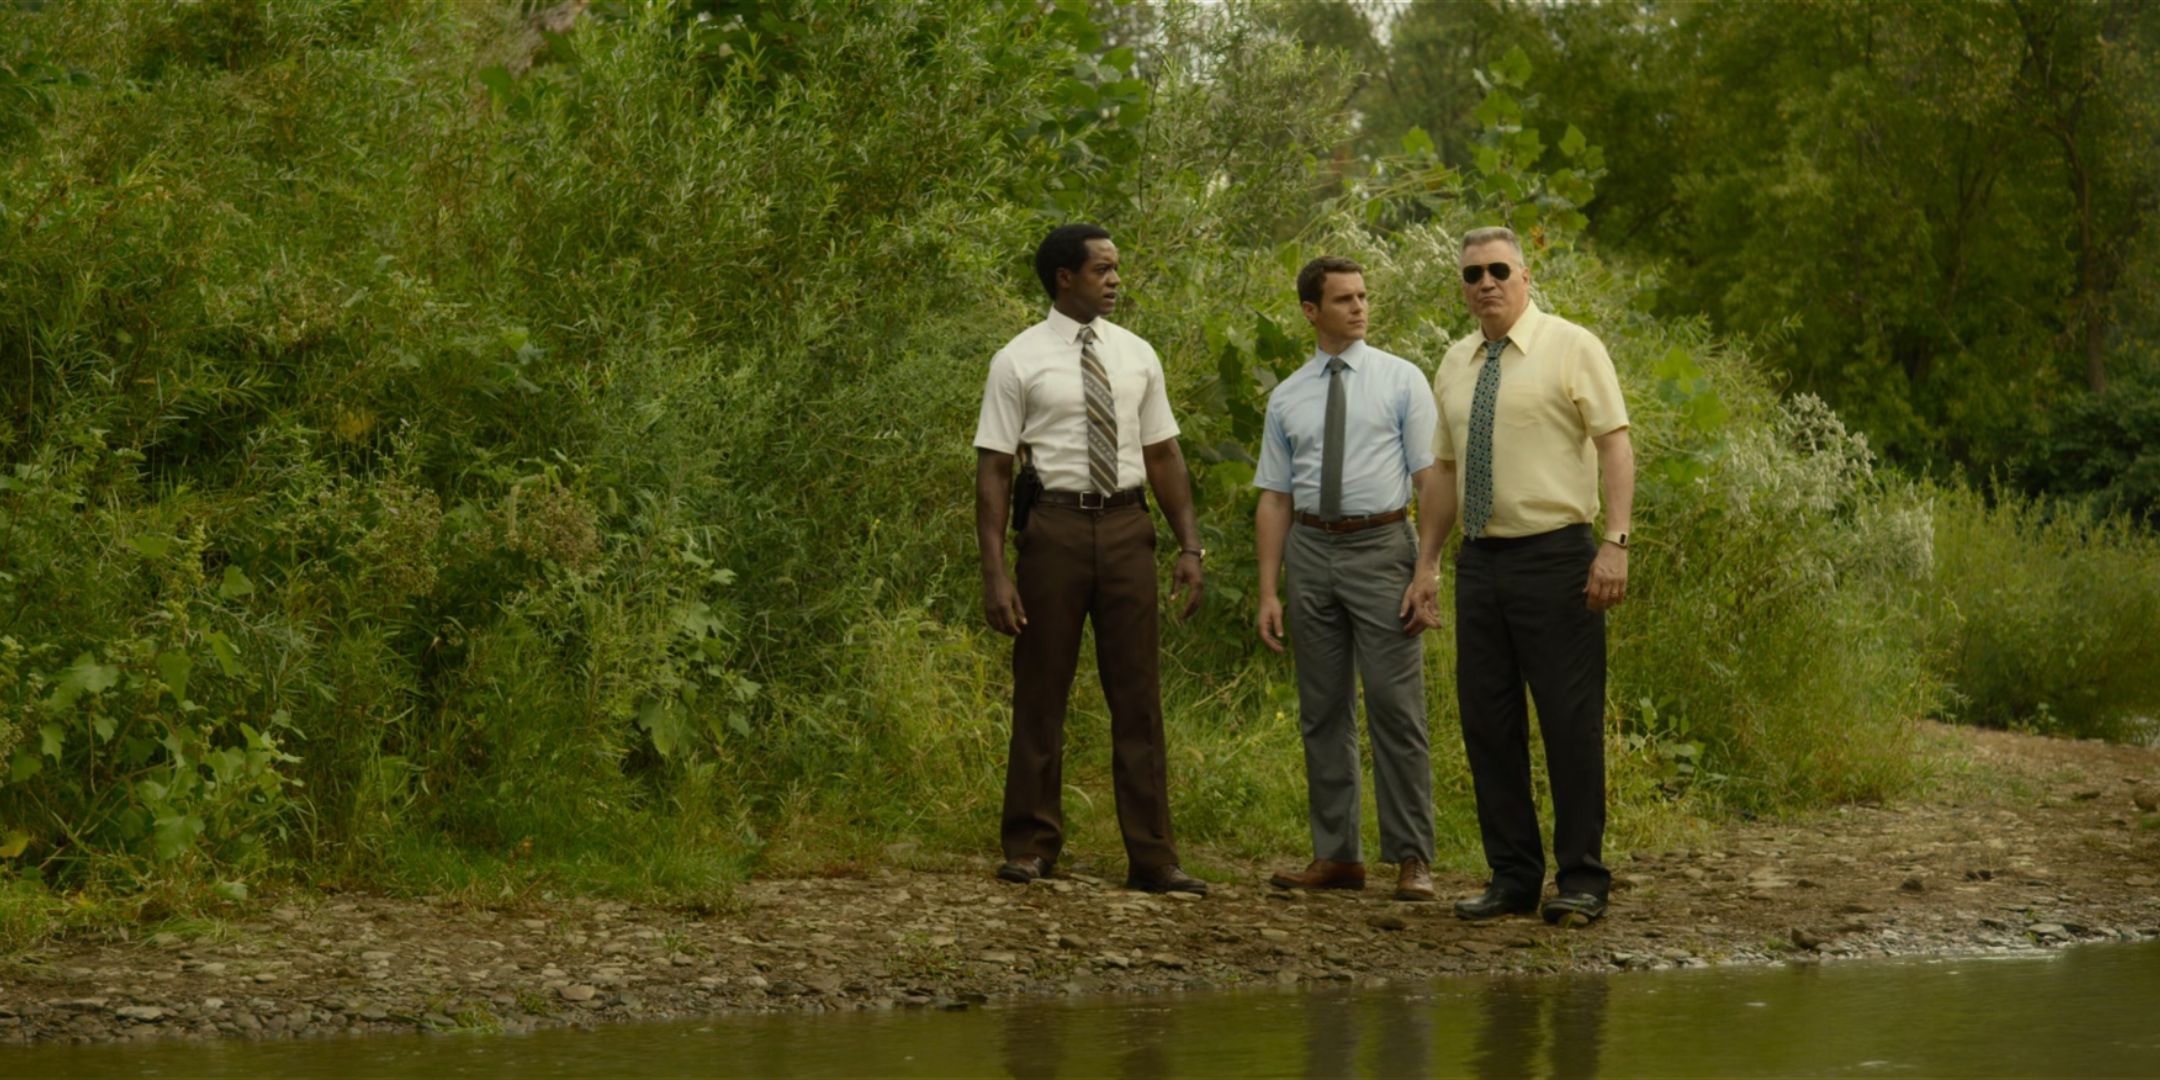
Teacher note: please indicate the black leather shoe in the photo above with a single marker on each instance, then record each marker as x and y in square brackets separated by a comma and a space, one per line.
[1162, 879]
[1492, 904]
[1024, 869]
[1572, 909]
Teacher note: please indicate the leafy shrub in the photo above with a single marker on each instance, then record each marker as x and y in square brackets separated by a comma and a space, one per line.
[2044, 618]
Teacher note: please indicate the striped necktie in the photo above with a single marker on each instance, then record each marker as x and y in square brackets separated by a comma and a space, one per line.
[1477, 477]
[1102, 416]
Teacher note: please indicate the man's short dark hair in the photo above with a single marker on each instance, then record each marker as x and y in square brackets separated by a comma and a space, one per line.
[1311, 279]
[1065, 249]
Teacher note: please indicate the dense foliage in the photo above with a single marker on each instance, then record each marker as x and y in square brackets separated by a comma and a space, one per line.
[1942, 218]
[449, 447]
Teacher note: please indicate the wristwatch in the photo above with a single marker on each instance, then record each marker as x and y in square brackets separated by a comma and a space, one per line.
[1618, 540]
[1199, 553]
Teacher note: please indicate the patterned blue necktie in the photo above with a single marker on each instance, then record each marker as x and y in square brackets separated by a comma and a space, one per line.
[1477, 481]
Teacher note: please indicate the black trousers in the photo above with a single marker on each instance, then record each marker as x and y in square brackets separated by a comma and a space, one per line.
[1521, 617]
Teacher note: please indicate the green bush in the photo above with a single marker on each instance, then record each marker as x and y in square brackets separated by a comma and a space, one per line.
[2044, 618]
[446, 456]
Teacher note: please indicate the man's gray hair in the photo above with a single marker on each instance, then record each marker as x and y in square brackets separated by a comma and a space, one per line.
[1491, 233]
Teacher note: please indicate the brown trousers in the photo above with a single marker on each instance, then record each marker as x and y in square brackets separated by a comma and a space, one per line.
[1078, 566]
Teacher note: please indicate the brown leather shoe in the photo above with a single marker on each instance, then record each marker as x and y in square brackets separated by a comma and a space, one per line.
[1413, 880]
[1163, 879]
[1322, 874]
[1024, 869]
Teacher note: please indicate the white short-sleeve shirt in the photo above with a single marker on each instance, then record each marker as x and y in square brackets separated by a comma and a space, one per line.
[1034, 396]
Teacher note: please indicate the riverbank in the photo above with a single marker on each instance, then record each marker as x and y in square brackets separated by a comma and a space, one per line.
[2059, 844]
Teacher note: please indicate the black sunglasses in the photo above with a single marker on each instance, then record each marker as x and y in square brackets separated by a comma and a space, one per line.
[1471, 275]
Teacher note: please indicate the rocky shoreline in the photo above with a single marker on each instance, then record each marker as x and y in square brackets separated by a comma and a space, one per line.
[2070, 853]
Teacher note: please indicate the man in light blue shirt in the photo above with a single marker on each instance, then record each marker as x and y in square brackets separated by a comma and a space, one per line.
[1348, 441]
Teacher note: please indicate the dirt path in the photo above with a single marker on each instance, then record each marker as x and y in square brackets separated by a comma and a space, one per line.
[2065, 849]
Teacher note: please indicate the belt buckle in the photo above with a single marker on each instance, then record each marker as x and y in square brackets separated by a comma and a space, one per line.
[1086, 495]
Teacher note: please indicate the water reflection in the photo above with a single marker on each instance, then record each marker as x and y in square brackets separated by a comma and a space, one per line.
[2085, 1012]
[1539, 1027]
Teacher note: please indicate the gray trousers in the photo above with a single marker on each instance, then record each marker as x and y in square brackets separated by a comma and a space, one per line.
[1344, 592]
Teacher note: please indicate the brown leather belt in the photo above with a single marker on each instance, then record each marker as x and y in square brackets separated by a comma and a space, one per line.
[1353, 524]
[1090, 500]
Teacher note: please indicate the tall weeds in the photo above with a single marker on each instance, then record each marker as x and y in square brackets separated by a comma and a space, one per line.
[441, 456]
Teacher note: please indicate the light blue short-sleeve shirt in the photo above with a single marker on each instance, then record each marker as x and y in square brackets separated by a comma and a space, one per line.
[1388, 423]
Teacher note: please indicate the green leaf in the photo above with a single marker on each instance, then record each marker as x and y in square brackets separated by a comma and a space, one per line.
[176, 833]
[231, 890]
[51, 738]
[1497, 109]
[228, 655]
[1706, 412]
[153, 547]
[559, 48]
[1416, 143]
[498, 83]
[1676, 365]
[174, 668]
[13, 842]
[1514, 68]
[663, 721]
[235, 585]
[738, 724]
[1273, 345]
[89, 675]
[1573, 142]
[24, 765]
[101, 725]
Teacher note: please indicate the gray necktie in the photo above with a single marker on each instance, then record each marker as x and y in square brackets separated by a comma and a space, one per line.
[1102, 416]
[1331, 445]
[1477, 479]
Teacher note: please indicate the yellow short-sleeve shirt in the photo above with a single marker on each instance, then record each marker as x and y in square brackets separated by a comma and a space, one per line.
[1558, 391]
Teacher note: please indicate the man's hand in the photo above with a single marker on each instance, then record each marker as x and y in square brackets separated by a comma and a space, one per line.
[1420, 604]
[1271, 621]
[1187, 580]
[1607, 586]
[1001, 604]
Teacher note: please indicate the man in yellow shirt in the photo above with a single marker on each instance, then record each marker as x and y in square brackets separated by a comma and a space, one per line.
[1532, 425]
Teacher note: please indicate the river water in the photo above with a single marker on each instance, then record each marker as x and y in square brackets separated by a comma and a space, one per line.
[2085, 1012]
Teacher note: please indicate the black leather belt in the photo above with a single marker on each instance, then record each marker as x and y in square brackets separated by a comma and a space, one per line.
[1093, 500]
[1577, 533]
[1353, 524]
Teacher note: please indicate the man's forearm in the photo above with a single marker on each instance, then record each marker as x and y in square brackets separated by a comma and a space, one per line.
[1173, 491]
[993, 501]
[1271, 527]
[1616, 469]
[1436, 512]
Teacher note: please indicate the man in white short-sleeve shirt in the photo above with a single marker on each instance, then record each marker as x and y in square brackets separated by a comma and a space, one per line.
[1084, 400]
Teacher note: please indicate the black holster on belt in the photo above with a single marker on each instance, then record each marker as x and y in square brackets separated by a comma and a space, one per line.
[1027, 487]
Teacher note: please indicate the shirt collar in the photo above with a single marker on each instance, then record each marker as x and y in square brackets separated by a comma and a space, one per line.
[1351, 357]
[1525, 331]
[1067, 328]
